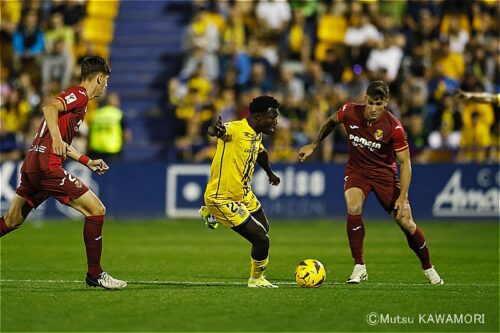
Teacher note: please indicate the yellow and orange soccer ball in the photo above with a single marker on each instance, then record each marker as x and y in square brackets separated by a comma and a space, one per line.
[310, 273]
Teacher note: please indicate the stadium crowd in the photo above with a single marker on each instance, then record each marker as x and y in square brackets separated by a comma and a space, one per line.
[315, 55]
[43, 44]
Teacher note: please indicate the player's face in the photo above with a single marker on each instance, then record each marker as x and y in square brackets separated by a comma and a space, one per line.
[102, 83]
[269, 121]
[374, 107]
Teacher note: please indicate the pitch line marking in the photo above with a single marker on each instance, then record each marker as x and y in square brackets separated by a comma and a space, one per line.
[217, 283]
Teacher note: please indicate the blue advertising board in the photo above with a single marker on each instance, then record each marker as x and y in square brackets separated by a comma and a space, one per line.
[157, 190]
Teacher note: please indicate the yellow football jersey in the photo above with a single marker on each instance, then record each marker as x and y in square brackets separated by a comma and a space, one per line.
[234, 162]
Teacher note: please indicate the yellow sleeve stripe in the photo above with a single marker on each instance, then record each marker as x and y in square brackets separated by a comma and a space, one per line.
[401, 149]
[62, 101]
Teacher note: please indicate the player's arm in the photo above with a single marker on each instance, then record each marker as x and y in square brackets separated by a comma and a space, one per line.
[326, 129]
[98, 166]
[478, 97]
[401, 204]
[51, 114]
[217, 129]
[263, 161]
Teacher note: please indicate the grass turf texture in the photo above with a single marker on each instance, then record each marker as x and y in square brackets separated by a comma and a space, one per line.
[184, 277]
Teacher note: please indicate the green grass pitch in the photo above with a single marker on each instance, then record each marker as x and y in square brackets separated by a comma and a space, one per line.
[185, 277]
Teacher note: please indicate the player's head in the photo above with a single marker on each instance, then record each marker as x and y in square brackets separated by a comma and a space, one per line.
[264, 112]
[96, 71]
[376, 99]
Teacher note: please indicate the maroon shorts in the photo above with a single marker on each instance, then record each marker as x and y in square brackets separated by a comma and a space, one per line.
[386, 189]
[36, 187]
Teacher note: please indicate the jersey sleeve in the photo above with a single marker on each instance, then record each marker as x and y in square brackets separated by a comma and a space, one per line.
[399, 138]
[341, 112]
[72, 98]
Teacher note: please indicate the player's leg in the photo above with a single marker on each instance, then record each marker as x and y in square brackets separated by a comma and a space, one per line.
[253, 231]
[93, 209]
[18, 212]
[417, 242]
[356, 190]
[387, 195]
[260, 216]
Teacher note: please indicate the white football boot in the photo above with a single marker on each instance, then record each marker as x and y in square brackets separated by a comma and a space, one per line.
[433, 276]
[105, 281]
[359, 274]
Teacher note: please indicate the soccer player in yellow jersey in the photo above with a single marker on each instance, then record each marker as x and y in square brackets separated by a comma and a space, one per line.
[228, 197]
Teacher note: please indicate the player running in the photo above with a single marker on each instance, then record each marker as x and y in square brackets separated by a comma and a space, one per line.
[375, 137]
[228, 197]
[43, 176]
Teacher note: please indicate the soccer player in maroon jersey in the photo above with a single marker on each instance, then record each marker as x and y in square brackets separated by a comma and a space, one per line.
[43, 176]
[375, 138]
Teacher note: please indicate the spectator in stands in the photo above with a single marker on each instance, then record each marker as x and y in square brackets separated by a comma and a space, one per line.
[10, 15]
[10, 148]
[15, 112]
[476, 131]
[108, 130]
[58, 31]
[387, 54]
[57, 66]
[73, 11]
[201, 44]
[273, 16]
[28, 43]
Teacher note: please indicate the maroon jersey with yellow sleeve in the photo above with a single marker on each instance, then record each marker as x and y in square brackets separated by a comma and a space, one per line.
[40, 156]
[372, 146]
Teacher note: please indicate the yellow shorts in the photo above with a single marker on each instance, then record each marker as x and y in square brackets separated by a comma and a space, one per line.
[233, 213]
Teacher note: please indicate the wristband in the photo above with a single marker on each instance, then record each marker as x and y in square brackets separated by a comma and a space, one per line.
[83, 159]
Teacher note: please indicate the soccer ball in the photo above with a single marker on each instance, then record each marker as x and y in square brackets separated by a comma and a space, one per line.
[310, 273]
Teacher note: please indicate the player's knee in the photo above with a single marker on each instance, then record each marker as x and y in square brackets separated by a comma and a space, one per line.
[355, 209]
[98, 210]
[262, 241]
[13, 220]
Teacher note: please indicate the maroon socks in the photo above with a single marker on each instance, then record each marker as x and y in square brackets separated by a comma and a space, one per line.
[417, 243]
[92, 235]
[356, 235]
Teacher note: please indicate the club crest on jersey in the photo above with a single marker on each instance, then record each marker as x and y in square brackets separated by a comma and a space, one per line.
[379, 134]
[78, 183]
[70, 98]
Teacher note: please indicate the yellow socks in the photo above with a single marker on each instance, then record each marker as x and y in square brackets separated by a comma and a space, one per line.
[258, 267]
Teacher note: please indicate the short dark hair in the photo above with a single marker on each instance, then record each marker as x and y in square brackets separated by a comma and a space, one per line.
[94, 64]
[378, 89]
[263, 103]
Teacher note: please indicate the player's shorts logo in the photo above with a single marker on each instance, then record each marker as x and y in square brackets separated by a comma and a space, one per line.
[379, 134]
[78, 184]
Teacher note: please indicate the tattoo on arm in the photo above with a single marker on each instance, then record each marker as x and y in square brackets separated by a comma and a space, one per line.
[326, 129]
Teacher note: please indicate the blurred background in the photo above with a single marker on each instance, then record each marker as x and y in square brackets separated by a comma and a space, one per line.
[177, 65]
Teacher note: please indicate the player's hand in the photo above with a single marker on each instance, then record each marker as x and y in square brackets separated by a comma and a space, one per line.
[306, 151]
[59, 147]
[98, 166]
[401, 207]
[217, 129]
[274, 179]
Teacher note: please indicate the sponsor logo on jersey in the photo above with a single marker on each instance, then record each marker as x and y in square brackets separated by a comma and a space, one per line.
[379, 134]
[353, 126]
[70, 98]
[363, 143]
